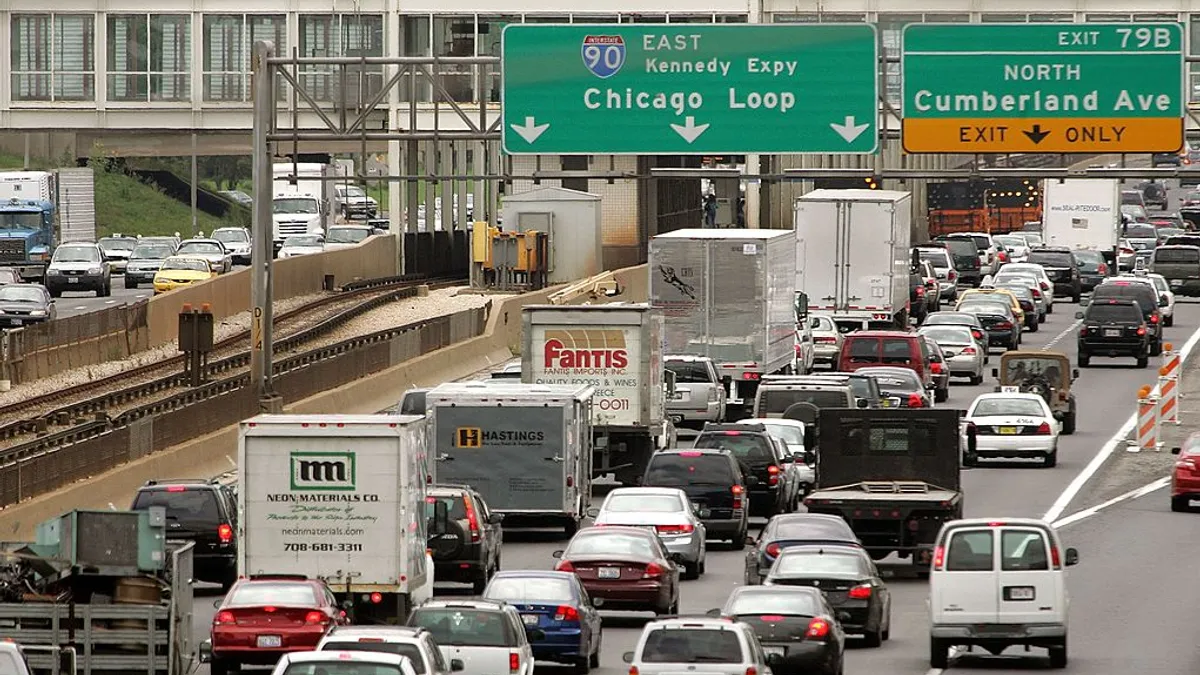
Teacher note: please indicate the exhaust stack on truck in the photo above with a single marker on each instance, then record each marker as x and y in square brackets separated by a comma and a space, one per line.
[617, 350]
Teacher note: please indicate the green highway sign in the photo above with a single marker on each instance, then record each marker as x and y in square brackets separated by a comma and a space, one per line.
[649, 89]
[1043, 88]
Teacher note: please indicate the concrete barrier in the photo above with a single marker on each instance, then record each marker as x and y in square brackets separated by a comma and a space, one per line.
[216, 453]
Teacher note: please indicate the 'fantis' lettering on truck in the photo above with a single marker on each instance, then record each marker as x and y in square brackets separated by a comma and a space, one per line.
[594, 349]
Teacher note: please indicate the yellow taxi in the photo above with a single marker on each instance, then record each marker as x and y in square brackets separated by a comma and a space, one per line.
[178, 271]
[1018, 313]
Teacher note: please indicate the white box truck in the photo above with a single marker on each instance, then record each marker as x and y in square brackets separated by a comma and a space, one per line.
[340, 497]
[617, 350]
[527, 448]
[853, 256]
[302, 198]
[1082, 213]
[728, 294]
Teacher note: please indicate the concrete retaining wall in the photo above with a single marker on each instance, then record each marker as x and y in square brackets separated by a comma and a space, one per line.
[216, 453]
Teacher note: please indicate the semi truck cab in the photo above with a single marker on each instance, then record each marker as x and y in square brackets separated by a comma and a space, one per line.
[26, 236]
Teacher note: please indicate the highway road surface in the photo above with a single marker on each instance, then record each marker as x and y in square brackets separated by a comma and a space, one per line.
[75, 303]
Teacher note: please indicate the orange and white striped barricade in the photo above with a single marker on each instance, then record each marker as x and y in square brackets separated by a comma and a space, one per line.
[1170, 359]
[1168, 397]
[1147, 422]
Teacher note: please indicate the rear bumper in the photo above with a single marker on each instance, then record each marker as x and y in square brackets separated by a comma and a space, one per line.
[804, 657]
[217, 568]
[457, 571]
[642, 594]
[1014, 446]
[560, 646]
[1030, 633]
[723, 528]
[1112, 347]
[706, 412]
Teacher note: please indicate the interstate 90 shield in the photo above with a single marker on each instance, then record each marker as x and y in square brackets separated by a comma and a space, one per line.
[603, 55]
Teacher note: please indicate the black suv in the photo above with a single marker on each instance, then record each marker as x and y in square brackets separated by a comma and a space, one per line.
[1147, 299]
[715, 483]
[761, 456]
[202, 511]
[464, 536]
[965, 255]
[1113, 327]
[1059, 263]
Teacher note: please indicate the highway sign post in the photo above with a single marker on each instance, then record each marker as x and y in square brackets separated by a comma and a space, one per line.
[577, 89]
[1043, 88]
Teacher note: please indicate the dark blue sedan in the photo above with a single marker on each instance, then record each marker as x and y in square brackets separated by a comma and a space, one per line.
[556, 604]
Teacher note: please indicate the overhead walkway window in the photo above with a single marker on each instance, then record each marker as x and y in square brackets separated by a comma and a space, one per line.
[1194, 50]
[341, 35]
[52, 57]
[228, 41]
[149, 57]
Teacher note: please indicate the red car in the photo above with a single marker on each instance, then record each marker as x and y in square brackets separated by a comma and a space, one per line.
[265, 617]
[625, 567]
[1185, 478]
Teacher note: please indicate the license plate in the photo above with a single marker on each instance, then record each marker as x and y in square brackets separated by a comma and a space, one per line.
[270, 641]
[1009, 431]
[778, 651]
[1008, 389]
[1019, 593]
[530, 619]
[608, 573]
[72, 280]
[1112, 332]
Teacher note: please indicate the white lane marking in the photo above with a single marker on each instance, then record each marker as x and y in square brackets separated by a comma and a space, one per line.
[110, 302]
[1064, 499]
[1138, 493]
[79, 308]
[1066, 331]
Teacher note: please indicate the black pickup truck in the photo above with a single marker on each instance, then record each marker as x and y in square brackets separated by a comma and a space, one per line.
[892, 474]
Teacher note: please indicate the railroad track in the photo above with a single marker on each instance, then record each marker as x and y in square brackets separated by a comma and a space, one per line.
[99, 399]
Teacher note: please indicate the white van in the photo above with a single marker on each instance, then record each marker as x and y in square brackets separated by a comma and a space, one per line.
[999, 583]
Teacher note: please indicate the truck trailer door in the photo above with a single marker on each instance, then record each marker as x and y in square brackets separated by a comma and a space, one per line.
[514, 455]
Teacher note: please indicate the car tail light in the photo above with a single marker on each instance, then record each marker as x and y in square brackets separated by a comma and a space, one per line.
[472, 518]
[1055, 560]
[915, 401]
[224, 618]
[566, 613]
[1045, 286]
[1141, 330]
[1004, 325]
[1037, 293]
[633, 670]
[732, 433]
[752, 671]
[564, 566]
[653, 571]
[1153, 318]
[920, 291]
[737, 490]
[1083, 332]
[970, 351]
[951, 275]
[1185, 464]
[772, 550]
[826, 340]
[376, 598]
[1127, 251]
[862, 592]
[315, 618]
[675, 529]
[175, 488]
[1002, 256]
[225, 533]
[939, 558]
[1102, 268]
[773, 477]
[817, 628]
[1044, 429]
[514, 662]
[751, 376]
[936, 368]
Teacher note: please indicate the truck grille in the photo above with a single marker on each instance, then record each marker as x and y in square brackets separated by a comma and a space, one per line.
[288, 229]
[12, 250]
[894, 487]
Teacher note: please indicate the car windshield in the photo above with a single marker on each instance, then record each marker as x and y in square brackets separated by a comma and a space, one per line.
[937, 258]
[346, 235]
[341, 667]
[766, 601]
[776, 400]
[200, 248]
[145, 252]
[999, 406]
[231, 236]
[1140, 232]
[1010, 240]
[985, 301]
[1177, 255]
[951, 319]
[792, 435]
[1160, 284]
[677, 469]
[461, 626]
[1106, 313]
[643, 503]
[806, 527]
[303, 241]
[749, 447]
[115, 244]
[822, 323]
[352, 191]
[1018, 289]
[185, 264]
[1032, 239]
[406, 649]
[610, 544]
[816, 564]
[76, 254]
[18, 293]
[1092, 257]
[962, 247]
[948, 335]
[257, 594]
[689, 372]
[692, 646]
[530, 589]
[456, 508]
[1051, 258]
[897, 381]
[295, 205]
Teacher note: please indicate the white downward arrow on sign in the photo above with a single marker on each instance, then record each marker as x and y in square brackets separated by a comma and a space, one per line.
[689, 130]
[849, 130]
[531, 130]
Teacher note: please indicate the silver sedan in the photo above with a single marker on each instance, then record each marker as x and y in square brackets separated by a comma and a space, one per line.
[669, 512]
[964, 354]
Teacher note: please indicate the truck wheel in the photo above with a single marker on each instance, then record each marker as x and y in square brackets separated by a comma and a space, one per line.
[1143, 361]
[570, 527]
[1156, 348]
[1033, 325]
[1075, 296]
[1085, 360]
[970, 460]
[873, 638]
[1058, 655]
[939, 653]
[221, 667]
[129, 283]
[1169, 321]
[1069, 422]
[1051, 460]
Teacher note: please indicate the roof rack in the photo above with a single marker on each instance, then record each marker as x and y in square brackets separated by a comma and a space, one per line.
[179, 481]
[278, 577]
[452, 486]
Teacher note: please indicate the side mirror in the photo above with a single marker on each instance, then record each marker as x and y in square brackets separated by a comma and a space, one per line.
[456, 665]
[1075, 374]
[677, 558]
[495, 519]
[217, 603]
[810, 439]
[751, 481]
[726, 381]
[996, 373]
[1085, 302]
[1163, 300]
[557, 554]
[1078, 315]
[862, 403]
[627, 657]
[1071, 558]
[1059, 415]
[535, 635]
[597, 602]
[774, 660]
[810, 457]
[593, 512]
[1176, 450]
[750, 541]
[204, 652]
[715, 612]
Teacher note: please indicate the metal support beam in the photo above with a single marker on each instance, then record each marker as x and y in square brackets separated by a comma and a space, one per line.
[263, 233]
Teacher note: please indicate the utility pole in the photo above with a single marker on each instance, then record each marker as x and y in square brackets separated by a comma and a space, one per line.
[262, 232]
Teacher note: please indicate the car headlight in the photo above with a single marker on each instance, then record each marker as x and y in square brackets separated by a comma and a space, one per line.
[38, 312]
[94, 270]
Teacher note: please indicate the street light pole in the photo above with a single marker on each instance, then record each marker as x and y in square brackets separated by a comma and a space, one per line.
[262, 232]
